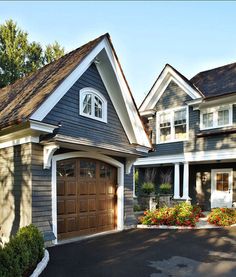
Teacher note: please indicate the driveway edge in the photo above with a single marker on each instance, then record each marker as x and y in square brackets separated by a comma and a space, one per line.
[41, 265]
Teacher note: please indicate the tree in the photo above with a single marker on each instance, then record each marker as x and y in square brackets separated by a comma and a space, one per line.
[53, 52]
[19, 57]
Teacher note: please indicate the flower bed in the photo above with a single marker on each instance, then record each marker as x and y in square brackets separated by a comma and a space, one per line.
[182, 214]
[222, 216]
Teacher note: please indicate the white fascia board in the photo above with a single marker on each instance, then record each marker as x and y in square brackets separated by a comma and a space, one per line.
[140, 134]
[199, 156]
[14, 142]
[148, 113]
[42, 127]
[163, 81]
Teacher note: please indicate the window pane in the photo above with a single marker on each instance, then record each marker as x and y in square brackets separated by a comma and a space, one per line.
[98, 107]
[66, 169]
[87, 104]
[180, 132]
[165, 118]
[180, 124]
[87, 169]
[225, 186]
[219, 186]
[105, 171]
[165, 134]
[180, 116]
[223, 117]
[207, 120]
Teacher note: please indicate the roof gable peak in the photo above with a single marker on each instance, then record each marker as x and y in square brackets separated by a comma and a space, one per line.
[168, 74]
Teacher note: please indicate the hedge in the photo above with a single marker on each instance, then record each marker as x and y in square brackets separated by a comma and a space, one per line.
[21, 254]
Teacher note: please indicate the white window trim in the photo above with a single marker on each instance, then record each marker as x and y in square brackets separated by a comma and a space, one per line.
[215, 111]
[94, 92]
[172, 125]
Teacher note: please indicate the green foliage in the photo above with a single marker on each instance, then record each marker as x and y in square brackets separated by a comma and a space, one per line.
[53, 52]
[222, 216]
[165, 188]
[182, 214]
[18, 56]
[22, 253]
[137, 208]
[148, 187]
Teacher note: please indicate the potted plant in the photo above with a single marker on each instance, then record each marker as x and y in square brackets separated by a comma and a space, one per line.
[165, 188]
[148, 188]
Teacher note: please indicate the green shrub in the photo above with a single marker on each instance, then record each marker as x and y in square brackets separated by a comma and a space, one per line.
[21, 254]
[148, 187]
[182, 214]
[222, 216]
[165, 188]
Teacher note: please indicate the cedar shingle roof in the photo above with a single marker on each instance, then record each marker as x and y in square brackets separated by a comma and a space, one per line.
[217, 81]
[20, 99]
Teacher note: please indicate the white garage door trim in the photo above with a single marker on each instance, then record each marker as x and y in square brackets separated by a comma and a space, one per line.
[96, 156]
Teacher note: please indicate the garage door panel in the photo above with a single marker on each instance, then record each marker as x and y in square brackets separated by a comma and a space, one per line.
[61, 225]
[102, 188]
[83, 223]
[92, 188]
[83, 205]
[71, 188]
[71, 206]
[71, 224]
[92, 220]
[102, 204]
[102, 220]
[92, 204]
[61, 188]
[83, 188]
[110, 189]
[61, 207]
[110, 204]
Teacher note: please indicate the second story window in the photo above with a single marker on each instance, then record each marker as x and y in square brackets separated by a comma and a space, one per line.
[216, 117]
[93, 104]
[172, 125]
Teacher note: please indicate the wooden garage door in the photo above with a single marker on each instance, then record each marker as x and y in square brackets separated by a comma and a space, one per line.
[86, 197]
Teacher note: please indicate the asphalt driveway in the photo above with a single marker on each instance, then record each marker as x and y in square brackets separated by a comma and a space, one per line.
[154, 253]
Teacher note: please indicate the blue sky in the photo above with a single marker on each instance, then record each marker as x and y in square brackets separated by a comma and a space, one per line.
[191, 36]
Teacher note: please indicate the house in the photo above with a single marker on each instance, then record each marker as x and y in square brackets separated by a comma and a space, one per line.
[192, 125]
[69, 134]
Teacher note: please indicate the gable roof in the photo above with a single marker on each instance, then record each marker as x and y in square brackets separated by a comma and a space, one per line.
[32, 97]
[217, 81]
[20, 99]
[168, 74]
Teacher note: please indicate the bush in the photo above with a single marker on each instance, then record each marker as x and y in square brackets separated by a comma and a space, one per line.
[21, 254]
[148, 187]
[222, 216]
[165, 188]
[182, 214]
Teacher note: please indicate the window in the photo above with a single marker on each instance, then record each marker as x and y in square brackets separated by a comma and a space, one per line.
[216, 117]
[93, 104]
[172, 125]
[222, 181]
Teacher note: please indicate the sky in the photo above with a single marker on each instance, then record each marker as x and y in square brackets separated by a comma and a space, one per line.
[191, 36]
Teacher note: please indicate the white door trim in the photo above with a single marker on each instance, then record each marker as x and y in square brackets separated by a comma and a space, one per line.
[91, 155]
[222, 170]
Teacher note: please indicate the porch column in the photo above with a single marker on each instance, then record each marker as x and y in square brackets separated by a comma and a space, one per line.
[186, 182]
[176, 182]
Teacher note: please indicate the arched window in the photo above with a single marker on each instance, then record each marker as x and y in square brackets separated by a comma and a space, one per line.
[93, 104]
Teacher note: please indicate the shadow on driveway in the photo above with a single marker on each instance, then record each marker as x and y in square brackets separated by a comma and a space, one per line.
[148, 253]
